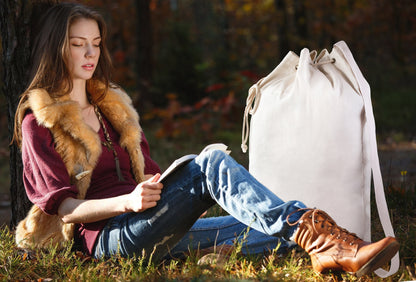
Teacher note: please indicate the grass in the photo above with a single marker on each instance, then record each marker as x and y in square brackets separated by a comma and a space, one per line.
[51, 264]
[68, 265]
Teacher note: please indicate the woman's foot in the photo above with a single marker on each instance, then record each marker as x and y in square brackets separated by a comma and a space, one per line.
[334, 248]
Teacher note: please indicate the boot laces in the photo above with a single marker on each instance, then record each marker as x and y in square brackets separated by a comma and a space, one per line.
[322, 218]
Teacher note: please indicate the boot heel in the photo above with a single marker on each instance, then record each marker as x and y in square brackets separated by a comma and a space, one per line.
[380, 259]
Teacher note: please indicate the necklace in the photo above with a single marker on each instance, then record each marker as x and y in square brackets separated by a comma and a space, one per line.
[108, 143]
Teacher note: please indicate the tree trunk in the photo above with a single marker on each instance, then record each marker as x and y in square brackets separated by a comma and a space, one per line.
[17, 17]
[144, 52]
[283, 28]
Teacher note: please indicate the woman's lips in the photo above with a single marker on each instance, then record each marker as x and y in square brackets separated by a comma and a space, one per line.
[88, 67]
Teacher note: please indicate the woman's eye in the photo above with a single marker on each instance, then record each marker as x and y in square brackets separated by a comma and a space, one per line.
[76, 45]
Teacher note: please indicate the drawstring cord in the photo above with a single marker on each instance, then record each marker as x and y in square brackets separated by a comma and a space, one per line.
[319, 63]
[252, 103]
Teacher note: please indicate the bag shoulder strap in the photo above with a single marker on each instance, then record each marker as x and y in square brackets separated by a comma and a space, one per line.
[374, 159]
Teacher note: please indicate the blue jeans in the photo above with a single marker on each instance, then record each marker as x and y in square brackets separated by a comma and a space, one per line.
[226, 230]
[212, 177]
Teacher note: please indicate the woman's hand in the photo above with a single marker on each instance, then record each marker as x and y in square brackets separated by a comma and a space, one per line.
[145, 195]
[148, 176]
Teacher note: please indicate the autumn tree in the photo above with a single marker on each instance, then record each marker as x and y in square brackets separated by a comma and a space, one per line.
[144, 50]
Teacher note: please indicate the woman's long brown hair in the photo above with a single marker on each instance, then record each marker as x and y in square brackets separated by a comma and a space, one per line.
[50, 51]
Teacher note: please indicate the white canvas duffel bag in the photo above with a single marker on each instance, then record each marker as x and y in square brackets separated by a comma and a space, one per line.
[312, 138]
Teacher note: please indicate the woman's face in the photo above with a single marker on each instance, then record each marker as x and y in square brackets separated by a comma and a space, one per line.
[84, 47]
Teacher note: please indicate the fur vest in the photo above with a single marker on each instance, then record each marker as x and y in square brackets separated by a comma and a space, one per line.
[80, 147]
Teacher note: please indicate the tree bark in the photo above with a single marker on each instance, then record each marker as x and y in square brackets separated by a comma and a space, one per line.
[283, 29]
[144, 51]
[17, 17]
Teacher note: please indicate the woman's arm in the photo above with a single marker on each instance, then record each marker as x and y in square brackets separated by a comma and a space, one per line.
[143, 197]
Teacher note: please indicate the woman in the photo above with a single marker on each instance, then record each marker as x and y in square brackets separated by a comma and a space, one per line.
[88, 171]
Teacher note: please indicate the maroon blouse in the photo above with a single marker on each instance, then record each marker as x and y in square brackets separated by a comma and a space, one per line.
[47, 181]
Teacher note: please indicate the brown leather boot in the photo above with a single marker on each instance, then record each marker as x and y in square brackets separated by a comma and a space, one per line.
[334, 248]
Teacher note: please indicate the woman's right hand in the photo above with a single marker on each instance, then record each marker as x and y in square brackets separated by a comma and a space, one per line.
[145, 195]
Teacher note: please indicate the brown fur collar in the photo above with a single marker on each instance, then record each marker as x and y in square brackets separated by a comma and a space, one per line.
[80, 147]
[76, 142]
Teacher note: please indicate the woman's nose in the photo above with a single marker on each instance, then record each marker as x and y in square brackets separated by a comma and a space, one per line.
[90, 52]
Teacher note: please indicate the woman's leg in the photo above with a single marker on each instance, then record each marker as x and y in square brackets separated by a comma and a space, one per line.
[216, 176]
[211, 177]
[243, 197]
[226, 230]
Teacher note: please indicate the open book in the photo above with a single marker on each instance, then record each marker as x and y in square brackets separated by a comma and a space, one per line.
[178, 163]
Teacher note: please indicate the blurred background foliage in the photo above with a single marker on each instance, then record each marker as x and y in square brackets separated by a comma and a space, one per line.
[188, 64]
[207, 52]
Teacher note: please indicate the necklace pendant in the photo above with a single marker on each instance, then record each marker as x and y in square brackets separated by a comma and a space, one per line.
[118, 170]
